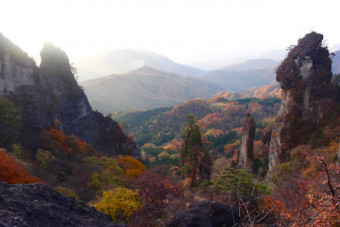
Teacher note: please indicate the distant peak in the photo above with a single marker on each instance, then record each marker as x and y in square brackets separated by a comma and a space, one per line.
[50, 52]
[145, 69]
[55, 63]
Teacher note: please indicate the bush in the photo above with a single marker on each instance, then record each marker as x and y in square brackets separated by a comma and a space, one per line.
[120, 204]
[13, 173]
[131, 166]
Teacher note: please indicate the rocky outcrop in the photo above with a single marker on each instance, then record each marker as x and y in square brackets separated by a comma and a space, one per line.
[246, 156]
[307, 93]
[206, 214]
[40, 205]
[51, 92]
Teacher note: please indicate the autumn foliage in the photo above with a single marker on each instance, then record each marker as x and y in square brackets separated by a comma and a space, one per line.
[131, 166]
[12, 172]
[120, 204]
[156, 193]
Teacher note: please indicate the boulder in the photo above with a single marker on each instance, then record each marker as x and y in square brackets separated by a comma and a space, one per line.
[40, 205]
[205, 214]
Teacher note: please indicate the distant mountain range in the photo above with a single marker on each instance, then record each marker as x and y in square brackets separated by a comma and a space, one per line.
[152, 85]
[336, 63]
[144, 88]
[126, 60]
[243, 76]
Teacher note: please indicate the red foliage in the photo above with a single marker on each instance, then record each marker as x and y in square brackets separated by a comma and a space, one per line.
[56, 140]
[156, 193]
[12, 172]
[313, 202]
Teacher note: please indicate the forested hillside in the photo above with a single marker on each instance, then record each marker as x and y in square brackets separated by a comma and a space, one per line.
[144, 88]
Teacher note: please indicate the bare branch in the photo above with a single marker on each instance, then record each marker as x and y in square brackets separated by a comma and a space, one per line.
[297, 191]
[328, 179]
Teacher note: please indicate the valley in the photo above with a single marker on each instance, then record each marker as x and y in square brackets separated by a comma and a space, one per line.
[257, 141]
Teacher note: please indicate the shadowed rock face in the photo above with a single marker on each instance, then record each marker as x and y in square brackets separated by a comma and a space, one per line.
[40, 205]
[246, 156]
[51, 92]
[307, 93]
[205, 214]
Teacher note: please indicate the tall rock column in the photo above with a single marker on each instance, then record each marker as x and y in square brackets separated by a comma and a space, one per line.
[246, 156]
[43, 94]
[307, 93]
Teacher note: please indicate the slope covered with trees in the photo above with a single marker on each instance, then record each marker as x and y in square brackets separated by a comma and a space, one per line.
[144, 88]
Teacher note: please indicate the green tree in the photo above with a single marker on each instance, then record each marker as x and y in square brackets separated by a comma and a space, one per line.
[195, 159]
[10, 123]
[44, 158]
[239, 183]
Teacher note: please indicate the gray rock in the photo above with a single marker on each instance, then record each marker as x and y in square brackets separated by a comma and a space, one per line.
[205, 214]
[40, 205]
[246, 157]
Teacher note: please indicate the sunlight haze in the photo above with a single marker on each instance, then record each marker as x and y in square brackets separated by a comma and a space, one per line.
[206, 34]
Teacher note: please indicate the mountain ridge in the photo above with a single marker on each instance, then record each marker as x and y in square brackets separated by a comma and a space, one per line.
[242, 76]
[146, 88]
[125, 60]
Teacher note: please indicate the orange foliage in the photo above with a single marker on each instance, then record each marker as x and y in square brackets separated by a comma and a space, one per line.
[275, 206]
[56, 140]
[12, 172]
[272, 90]
[186, 182]
[131, 166]
[229, 148]
[313, 202]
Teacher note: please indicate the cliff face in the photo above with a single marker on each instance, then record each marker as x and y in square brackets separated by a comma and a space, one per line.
[246, 156]
[307, 93]
[51, 92]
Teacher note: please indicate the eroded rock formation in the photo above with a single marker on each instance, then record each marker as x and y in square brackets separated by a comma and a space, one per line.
[43, 94]
[40, 205]
[307, 93]
[206, 214]
[246, 156]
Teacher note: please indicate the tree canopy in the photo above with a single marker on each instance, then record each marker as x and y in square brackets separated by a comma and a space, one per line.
[195, 159]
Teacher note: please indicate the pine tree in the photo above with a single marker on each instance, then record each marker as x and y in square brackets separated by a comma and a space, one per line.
[195, 159]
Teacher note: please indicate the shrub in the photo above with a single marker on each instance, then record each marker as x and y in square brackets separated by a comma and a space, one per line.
[131, 166]
[13, 173]
[120, 204]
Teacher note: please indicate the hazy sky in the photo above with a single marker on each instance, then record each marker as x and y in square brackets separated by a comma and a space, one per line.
[187, 31]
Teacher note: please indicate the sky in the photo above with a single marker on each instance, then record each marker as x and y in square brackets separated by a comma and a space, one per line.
[194, 32]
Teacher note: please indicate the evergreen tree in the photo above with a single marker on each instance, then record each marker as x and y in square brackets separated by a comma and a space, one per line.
[10, 123]
[195, 159]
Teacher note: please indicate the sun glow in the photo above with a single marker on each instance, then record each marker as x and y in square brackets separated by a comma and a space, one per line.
[188, 31]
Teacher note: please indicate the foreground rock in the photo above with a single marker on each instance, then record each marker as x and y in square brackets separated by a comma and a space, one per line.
[39, 205]
[205, 214]
[49, 92]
